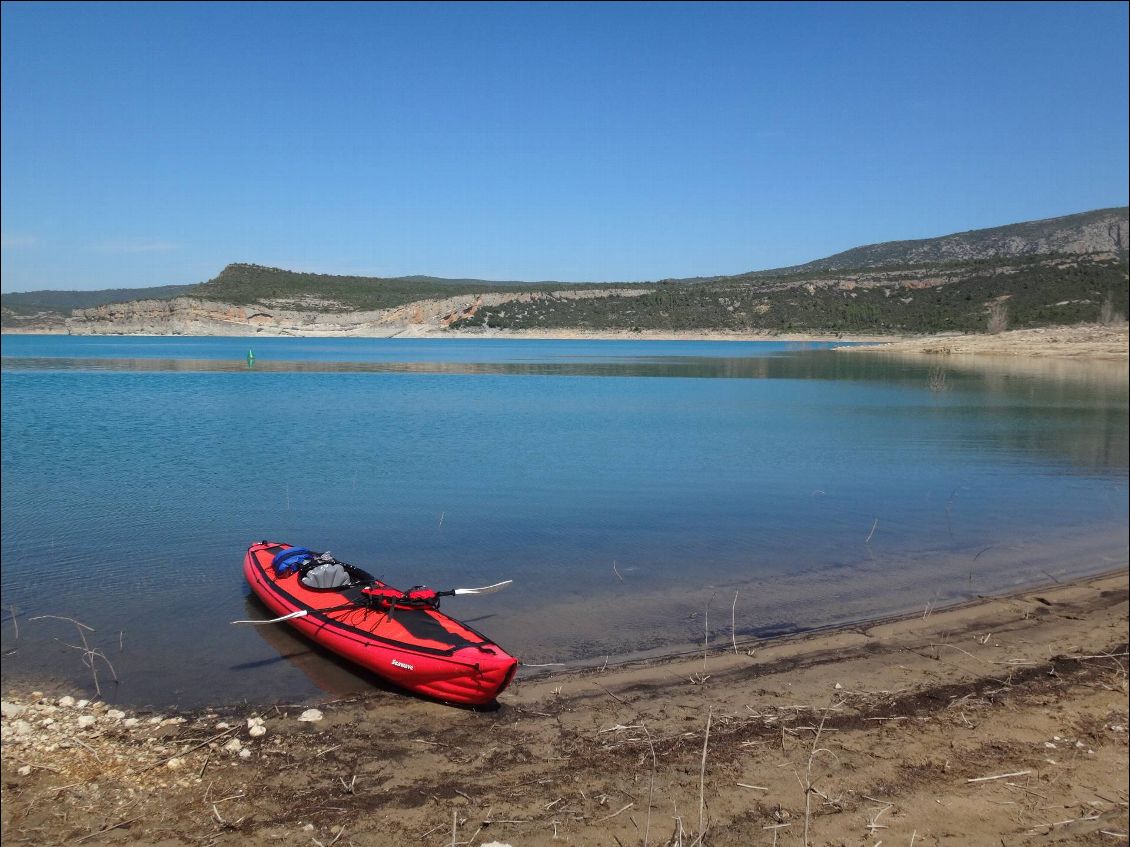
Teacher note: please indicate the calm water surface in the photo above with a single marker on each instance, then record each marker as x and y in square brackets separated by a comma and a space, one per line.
[626, 488]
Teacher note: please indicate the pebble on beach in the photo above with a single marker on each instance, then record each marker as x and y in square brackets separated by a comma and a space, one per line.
[311, 715]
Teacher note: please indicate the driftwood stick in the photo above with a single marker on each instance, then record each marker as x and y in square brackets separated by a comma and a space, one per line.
[609, 693]
[117, 825]
[614, 814]
[190, 749]
[734, 623]
[702, 778]
[998, 776]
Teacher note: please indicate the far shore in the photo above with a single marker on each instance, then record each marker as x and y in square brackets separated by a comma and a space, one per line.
[1086, 341]
[1003, 720]
[413, 332]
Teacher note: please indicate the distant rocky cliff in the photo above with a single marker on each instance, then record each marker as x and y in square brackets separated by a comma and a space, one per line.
[1054, 271]
[193, 316]
[1105, 231]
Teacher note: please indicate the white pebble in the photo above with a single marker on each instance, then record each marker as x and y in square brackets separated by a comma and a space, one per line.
[21, 727]
[234, 746]
[254, 722]
[308, 828]
[11, 710]
[24, 771]
[86, 720]
[174, 763]
[130, 722]
[115, 714]
[223, 725]
[256, 731]
[66, 702]
[1049, 745]
[245, 753]
[311, 715]
[82, 704]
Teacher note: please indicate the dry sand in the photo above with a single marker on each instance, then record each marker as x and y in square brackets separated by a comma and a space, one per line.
[999, 722]
[1085, 341]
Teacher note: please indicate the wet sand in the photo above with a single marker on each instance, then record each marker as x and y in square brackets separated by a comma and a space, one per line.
[999, 721]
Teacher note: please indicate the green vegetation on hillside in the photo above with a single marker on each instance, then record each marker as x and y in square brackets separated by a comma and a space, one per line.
[928, 285]
[1039, 292]
[246, 284]
[63, 302]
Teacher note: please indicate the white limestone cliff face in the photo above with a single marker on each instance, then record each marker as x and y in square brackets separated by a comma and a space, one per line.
[1101, 233]
[193, 316]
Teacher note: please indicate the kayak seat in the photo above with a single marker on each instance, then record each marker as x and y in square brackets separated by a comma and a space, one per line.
[326, 576]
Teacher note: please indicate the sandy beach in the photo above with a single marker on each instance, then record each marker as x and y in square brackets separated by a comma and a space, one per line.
[1082, 341]
[1085, 341]
[1003, 721]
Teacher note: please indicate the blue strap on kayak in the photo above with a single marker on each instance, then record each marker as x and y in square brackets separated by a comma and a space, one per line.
[289, 560]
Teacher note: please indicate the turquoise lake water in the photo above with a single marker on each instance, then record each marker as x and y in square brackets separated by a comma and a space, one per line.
[630, 490]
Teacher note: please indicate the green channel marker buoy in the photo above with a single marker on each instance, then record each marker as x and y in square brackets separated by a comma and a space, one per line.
[250, 359]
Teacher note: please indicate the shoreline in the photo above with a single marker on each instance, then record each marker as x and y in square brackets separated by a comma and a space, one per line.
[1086, 341]
[1082, 341]
[999, 718]
[518, 334]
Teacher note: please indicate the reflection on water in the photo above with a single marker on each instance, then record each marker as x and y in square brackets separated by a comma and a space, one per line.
[821, 486]
[1062, 392]
[325, 670]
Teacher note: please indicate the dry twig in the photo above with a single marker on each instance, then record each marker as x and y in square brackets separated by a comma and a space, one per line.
[998, 776]
[702, 778]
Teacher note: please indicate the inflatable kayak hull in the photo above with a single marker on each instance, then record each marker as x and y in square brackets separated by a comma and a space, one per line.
[419, 649]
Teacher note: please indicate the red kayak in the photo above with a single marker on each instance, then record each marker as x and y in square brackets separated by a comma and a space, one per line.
[401, 636]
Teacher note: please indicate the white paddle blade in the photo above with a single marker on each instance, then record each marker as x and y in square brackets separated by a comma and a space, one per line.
[487, 589]
[299, 614]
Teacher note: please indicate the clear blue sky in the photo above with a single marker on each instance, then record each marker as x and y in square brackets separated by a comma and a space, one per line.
[153, 144]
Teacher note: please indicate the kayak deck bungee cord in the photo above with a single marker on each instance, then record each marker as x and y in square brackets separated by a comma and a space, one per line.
[401, 636]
